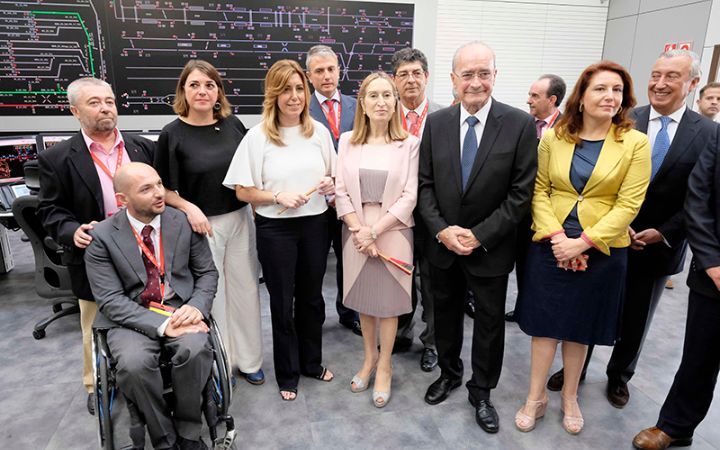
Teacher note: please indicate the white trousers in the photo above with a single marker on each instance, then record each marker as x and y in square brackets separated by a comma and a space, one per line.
[236, 308]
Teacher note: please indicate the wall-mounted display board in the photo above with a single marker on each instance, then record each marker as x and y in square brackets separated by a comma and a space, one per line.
[140, 46]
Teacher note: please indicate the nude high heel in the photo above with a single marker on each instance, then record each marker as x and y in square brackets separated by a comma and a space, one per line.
[525, 422]
[571, 424]
[358, 384]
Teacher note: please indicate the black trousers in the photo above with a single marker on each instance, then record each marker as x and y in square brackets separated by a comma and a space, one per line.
[642, 294]
[293, 255]
[345, 314]
[420, 288]
[691, 393]
[448, 289]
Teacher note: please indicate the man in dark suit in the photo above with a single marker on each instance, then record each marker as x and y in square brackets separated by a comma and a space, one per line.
[691, 393]
[76, 190]
[477, 170]
[154, 281]
[677, 137]
[544, 99]
[411, 74]
[336, 111]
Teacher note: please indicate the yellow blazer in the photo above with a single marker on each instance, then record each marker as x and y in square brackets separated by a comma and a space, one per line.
[612, 196]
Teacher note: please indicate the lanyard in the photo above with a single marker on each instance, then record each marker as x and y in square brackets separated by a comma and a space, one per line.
[332, 119]
[553, 119]
[148, 254]
[103, 167]
[418, 126]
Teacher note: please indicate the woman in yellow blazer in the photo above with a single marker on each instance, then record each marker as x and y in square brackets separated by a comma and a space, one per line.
[593, 171]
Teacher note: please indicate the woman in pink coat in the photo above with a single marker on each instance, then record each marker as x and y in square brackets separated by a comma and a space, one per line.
[376, 192]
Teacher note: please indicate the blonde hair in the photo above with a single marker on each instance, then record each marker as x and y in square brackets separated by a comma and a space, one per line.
[180, 105]
[275, 81]
[361, 125]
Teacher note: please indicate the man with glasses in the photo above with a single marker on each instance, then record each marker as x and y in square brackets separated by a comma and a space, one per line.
[478, 161]
[411, 74]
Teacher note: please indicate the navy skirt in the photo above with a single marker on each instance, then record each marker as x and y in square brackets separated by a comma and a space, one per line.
[582, 307]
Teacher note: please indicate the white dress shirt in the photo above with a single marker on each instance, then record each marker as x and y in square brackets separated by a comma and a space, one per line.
[419, 110]
[654, 124]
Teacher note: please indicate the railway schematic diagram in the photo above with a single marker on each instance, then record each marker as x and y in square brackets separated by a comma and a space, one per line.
[43, 47]
[140, 46]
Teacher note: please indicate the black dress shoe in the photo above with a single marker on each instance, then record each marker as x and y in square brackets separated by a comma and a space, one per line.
[556, 381]
[440, 389]
[91, 403]
[510, 316]
[487, 417]
[428, 360]
[618, 394]
[353, 326]
[470, 308]
[187, 444]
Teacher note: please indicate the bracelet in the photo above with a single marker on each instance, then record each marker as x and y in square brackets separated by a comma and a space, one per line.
[275, 196]
[373, 234]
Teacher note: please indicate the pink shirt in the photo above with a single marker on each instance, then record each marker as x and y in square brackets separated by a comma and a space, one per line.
[109, 158]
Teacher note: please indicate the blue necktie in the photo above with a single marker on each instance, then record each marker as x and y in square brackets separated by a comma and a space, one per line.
[661, 146]
[469, 150]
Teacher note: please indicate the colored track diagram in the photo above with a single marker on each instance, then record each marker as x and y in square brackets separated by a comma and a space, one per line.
[140, 46]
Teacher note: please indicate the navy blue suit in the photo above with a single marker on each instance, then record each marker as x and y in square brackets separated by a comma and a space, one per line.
[347, 116]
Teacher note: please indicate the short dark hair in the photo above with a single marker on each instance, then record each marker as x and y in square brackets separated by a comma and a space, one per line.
[711, 85]
[556, 87]
[408, 55]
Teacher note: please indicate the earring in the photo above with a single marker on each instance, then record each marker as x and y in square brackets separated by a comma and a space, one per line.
[581, 107]
[217, 106]
[619, 110]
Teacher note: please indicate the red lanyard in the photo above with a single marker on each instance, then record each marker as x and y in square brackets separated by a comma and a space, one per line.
[103, 167]
[418, 127]
[553, 119]
[148, 254]
[332, 120]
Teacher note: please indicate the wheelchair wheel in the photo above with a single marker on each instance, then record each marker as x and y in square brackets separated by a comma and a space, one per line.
[104, 394]
[220, 393]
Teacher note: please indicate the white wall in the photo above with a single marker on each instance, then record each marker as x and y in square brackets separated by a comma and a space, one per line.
[529, 37]
[637, 31]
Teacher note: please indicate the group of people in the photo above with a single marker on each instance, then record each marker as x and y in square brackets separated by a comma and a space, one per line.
[420, 204]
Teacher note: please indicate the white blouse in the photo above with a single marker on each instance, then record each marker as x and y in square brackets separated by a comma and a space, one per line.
[296, 167]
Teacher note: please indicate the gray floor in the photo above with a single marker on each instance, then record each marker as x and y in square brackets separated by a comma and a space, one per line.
[42, 402]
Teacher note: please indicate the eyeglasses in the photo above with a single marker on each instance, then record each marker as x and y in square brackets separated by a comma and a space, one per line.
[417, 74]
[467, 77]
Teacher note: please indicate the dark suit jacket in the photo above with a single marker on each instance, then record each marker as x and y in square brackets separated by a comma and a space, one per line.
[663, 205]
[118, 277]
[347, 114]
[70, 195]
[702, 215]
[498, 192]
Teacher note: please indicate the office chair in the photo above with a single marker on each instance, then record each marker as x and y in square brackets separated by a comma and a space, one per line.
[52, 279]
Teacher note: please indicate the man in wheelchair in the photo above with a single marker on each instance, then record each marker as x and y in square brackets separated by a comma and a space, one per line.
[154, 281]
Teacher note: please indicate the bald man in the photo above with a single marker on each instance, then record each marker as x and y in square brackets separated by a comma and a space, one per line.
[154, 282]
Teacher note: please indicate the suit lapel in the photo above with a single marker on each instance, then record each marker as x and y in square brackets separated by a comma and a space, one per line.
[352, 178]
[85, 168]
[490, 133]
[347, 115]
[451, 124]
[127, 244]
[686, 132]
[170, 237]
[610, 155]
[397, 166]
[642, 117]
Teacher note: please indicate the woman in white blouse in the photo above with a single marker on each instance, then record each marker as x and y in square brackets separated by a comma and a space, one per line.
[284, 168]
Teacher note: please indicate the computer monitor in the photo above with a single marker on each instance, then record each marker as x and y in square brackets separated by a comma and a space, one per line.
[14, 151]
[47, 140]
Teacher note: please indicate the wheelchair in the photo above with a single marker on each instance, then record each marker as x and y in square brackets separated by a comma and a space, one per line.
[115, 412]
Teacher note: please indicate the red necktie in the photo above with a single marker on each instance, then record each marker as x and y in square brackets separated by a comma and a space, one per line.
[332, 118]
[152, 288]
[414, 123]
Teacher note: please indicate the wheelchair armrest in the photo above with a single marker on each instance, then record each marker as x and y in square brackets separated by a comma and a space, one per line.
[52, 245]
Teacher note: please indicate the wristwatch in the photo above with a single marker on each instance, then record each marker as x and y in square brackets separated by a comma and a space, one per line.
[275, 196]
[373, 234]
